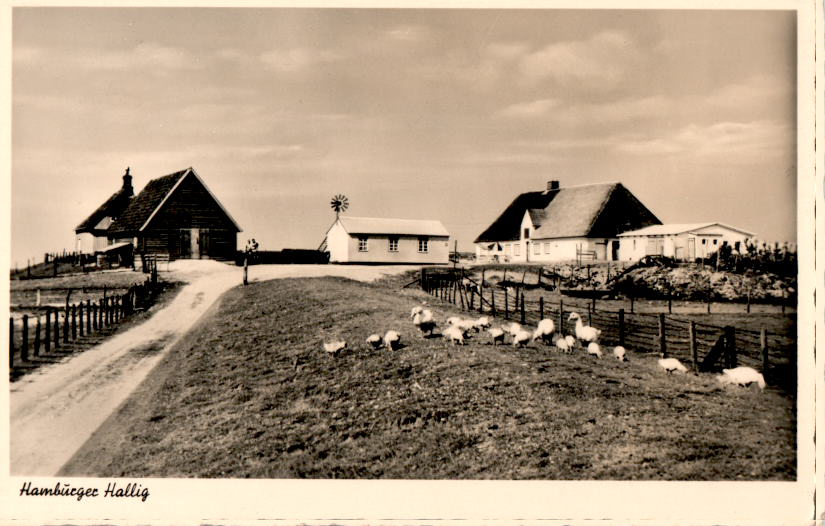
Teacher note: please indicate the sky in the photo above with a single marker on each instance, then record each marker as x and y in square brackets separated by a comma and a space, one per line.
[441, 114]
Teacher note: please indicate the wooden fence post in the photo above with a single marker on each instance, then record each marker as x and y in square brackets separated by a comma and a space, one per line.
[589, 315]
[730, 347]
[541, 307]
[11, 342]
[47, 336]
[66, 325]
[669, 302]
[621, 327]
[506, 305]
[88, 316]
[481, 293]
[36, 348]
[662, 336]
[56, 328]
[631, 303]
[763, 343]
[694, 351]
[493, 300]
[24, 345]
[561, 316]
[95, 326]
[74, 322]
[80, 319]
[523, 316]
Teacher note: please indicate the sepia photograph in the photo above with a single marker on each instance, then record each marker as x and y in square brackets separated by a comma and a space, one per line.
[442, 252]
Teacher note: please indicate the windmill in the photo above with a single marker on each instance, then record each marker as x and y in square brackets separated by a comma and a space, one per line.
[339, 203]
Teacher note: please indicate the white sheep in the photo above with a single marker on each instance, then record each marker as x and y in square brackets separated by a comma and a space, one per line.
[392, 339]
[416, 310]
[426, 316]
[467, 326]
[619, 353]
[563, 345]
[454, 320]
[743, 376]
[513, 328]
[672, 364]
[483, 322]
[374, 340]
[585, 333]
[593, 348]
[454, 334]
[521, 338]
[497, 334]
[333, 348]
[571, 341]
[545, 331]
[426, 327]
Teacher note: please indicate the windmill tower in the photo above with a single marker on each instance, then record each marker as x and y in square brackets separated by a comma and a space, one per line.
[339, 203]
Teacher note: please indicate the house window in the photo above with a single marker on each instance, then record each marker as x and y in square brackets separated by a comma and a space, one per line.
[537, 248]
[393, 244]
[507, 249]
[526, 233]
[362, 244]
[714, 241]
[547, 248]
[517, 249]
[423, 244]
[736, 245]
[704, 241]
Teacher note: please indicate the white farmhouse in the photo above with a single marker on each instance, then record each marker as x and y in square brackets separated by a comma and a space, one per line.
[564, 223]
[385, 240]
[92, 234]
[681, 241]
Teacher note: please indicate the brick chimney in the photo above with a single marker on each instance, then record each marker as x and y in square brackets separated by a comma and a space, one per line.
[552, 185]
[127, 183]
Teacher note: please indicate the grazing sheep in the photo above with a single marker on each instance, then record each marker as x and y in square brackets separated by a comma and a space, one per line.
[483, 322]
[467, 326]
[743, 376]
[374, 340]
[426, 327]
[333, 348]
[563, 345]
[454, 334]
[672, 364]
[513, 328]
[416, 310]
[392, 339]
[426, 316]
[619, 352]
[545, 331]
[454, 320]
[593, 348]
[497, 334]
[585, 333]
[521, 338]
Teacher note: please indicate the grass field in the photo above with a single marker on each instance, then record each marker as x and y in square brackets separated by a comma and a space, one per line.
[250, 393]
[84, 286]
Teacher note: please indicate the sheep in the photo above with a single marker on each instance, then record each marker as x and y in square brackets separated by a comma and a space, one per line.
[454, 334]
[672, 364]
[544, 330]
[593, 348]
[619, 352]
[521, 338]
[426, 316]
[513, 328]
[374, 340]
[483, 322]
[335, 347]
[585, 333]
[391, 340]
[416, 310]
[571, 341]
[426, 327]
[743, 376]
[497, 334]
[454, 320]
[467, 326]
[563, 345]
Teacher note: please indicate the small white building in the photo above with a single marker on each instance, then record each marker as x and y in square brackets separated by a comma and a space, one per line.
[681, 241]
[386, 240]
[563, 223]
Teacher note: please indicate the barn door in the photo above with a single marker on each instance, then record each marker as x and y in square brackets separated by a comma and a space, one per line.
[185, 243]
[203, 243]
[195, 243]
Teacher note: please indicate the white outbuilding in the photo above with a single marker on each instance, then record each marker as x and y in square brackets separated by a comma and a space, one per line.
[681, 241]
[387, 240]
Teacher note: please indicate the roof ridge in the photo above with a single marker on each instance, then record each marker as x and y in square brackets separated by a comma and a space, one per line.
[614, 187]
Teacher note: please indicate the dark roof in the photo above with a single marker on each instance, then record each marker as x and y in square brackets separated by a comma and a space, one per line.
[146, 202]
[113, 207]
[594, 210]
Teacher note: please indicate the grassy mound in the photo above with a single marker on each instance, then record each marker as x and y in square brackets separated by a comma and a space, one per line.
[250, 393]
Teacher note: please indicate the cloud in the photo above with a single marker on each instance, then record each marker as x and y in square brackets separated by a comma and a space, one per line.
[146, 56]
[408, 33]
[298, 59]
[526, 110]
[604, 59]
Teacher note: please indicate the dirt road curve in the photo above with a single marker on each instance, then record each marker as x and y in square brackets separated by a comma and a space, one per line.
[54, 411]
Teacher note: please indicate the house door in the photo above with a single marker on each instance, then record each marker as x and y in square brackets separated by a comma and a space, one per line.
[691, 249]
[614, 251]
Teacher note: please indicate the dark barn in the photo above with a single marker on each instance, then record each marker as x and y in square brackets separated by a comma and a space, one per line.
[177, 215]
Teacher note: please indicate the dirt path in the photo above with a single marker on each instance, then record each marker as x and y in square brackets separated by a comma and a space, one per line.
[54, 411]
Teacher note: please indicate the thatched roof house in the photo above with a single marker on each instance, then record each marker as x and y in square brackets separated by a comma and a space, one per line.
[92, 234]
[557, 224]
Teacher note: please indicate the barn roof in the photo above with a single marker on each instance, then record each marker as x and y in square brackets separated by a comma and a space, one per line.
[380, 225]
[112, 207]
[679, 228]
[146, 204]
[591, 210]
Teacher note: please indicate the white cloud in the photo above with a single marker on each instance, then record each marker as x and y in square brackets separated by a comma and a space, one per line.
[527, 110]
[298, 59]
[604, 59]
[408, 33]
